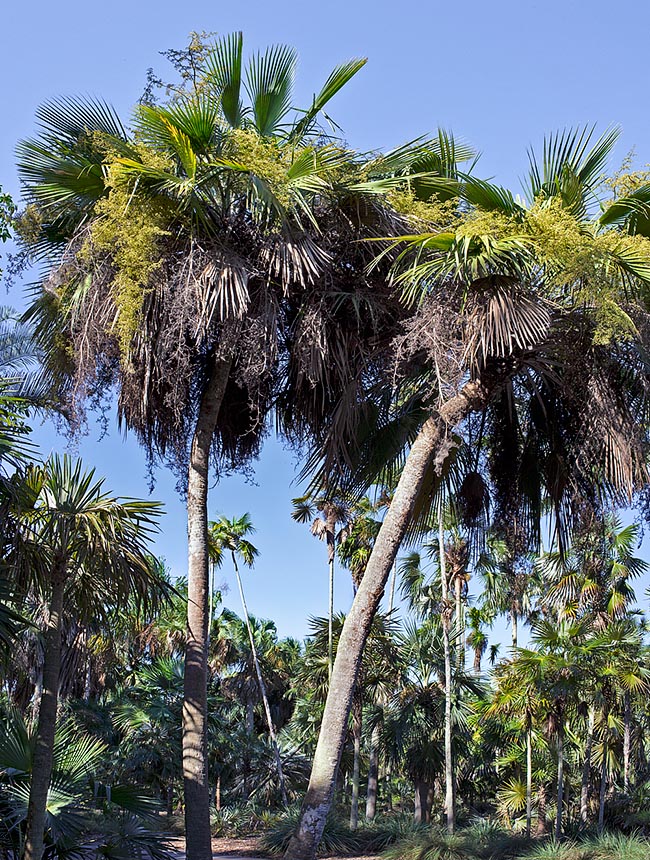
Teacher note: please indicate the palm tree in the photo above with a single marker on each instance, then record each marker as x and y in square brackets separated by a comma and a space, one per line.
[334, 513]
[477, 639]
[74, 539]
[498, 298]
[240, 245]
[230, 536]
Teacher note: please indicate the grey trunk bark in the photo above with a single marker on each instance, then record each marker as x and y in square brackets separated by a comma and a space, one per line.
[46, 728]
[356, 767]
[603, 792]
[541, 810]
[560, 782]
[260, 680]
[529, 780]
[449, 764]
[373, 775]
[586, 769]
[627, 740]
[195, 703]
[514, 622]
[431, 445]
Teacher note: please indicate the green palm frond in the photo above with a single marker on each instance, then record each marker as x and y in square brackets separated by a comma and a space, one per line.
[223, 72]
[269, 84]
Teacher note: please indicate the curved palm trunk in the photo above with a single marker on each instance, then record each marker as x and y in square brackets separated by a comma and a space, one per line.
[586, 769]
[449, 765]
[195, 701]
[46, 728]
[260, 680]
[432, 443]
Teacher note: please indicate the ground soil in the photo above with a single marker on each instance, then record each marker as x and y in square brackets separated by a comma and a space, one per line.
[241, 848]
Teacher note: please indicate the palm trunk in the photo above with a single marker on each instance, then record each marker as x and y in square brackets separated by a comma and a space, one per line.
[560, 781]
[45, 731]
[373, 775]
[514, 622]
[449, 764]
[195, 702]
[529, 780]
[603, 790]
[541, 810]
[356, 767]
[391, 593]
[330, 527]
[460, 623]
[260, 680]
[586, 769]
[627, 740]
[433, 441]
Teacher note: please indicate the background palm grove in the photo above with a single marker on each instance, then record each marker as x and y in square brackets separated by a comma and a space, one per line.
[462, 373]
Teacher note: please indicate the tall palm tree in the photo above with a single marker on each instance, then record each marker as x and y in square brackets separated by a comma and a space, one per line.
[499, 297]
[334, 513]
[238, 250]
[230, 536]
[74, 538]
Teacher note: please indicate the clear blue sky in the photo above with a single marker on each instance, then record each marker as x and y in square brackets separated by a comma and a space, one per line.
[499, 74]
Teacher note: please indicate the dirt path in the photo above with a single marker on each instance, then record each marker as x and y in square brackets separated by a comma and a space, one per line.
[241, 848]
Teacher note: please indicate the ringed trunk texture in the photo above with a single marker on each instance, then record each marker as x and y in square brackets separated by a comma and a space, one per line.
[373, 775]
[46, 728]
[195, 701]
[586, 770]
[431, 445]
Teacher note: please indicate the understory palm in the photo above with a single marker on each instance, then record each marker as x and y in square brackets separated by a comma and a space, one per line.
[75, 545]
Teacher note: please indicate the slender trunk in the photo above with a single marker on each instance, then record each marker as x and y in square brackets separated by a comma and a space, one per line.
[432, 443]
[627, 740]
[560, 781]
[373, 775]
[603, 791]
[195, 702]
[449, 764]
[246, 757]
[417, 803]
[586, 769]
[391, 593]
[330, 531]
[423, 802]
[46, 728]
[477, 661]
[260, 680]
[529, 780]
[514, 618]
[541, 810]
[460, 622]
[357, 713]
[217, 794]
